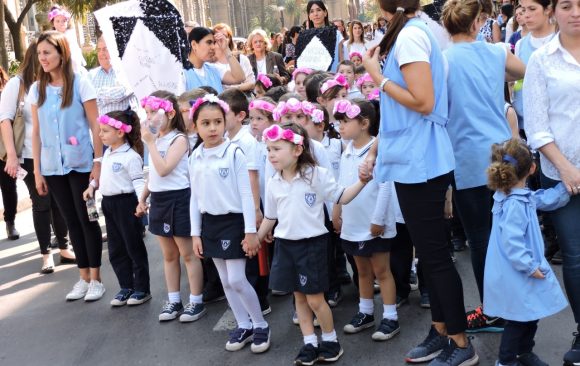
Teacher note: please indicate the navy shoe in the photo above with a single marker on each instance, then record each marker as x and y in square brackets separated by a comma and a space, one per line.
[329, 351]
[453, 355]
[192, 312]
[359, 322]
[138, 298]
[121, 297]
[239, 338]
[170, 311]
[386, 330]
[308, 356]
[427, 350]
[261, 342]
[401, 301]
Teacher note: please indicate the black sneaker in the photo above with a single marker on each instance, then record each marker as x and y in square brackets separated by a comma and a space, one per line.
[557, 257]
[121, 297]
[170, 311]
[458, 244]
[334, 297]
[427, 350]
[261, 341]
[478, 322]
[210, 296]
[572, 357]
[308, 355]
[192, 312]
[239, 338]
[359, 322]
[401, 301]
[329, 351]
[425, 301]
[413, 281]
[343, 277]
[531, 359]
[265, 307]
[453, 355]
[386, 330]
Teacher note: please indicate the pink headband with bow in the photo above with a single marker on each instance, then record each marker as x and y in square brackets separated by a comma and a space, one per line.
[366, 78]
[345, 107]
[208, 98]
[353, 54]
[301, 70]
[156, 103]
[275, 133]
[58, 12]
[265, 80]
[292, 105]
[262, 105]
[339, 80]
[106, 120]
[374, 95]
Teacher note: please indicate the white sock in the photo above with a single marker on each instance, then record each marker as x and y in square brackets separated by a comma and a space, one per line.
[195, 299]
[329, 337]
[366, 306]
[390, 312]
[174, 297]
[311, 339]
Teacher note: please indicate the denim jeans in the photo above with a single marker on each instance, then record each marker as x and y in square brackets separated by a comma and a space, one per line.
[567, 223]
[517, 338]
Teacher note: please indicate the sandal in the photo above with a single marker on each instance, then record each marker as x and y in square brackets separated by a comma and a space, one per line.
[49, 268]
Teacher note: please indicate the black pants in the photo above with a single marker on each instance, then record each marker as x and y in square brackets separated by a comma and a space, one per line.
[517, 338]
[127, 251]
[85, 235]
[259, 283]
[402, 260]
[9, 194]
[333, 244]
[422, 206]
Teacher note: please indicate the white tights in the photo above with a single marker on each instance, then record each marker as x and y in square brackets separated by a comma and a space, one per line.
[240, 294]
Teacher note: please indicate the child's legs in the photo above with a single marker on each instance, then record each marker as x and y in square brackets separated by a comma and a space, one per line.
[511, 338]
[380, 263]
[304, 314]
[320, 307]
[365, 277]
[192, 264]
[118, 256]
[171, 264]
[527, 340]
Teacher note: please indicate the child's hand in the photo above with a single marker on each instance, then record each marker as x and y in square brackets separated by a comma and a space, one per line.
[336, 219]
[269, 237]
[146, 134]
[197, 247]
[89, 193]
[365, 170]
[141, 209]
[538, 274]
[448, 210]
[377, 230]
[251, 245]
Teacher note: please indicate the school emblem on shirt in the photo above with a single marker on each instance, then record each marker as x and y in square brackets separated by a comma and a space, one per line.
[224, 172]
[225, 244]
[303, 280]
[310, 198]
[335, 165]
[117, 167]
[361, 245]
[166, 228]
[162, 154]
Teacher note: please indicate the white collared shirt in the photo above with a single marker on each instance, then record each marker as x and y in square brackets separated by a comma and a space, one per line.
[248, 144]
[298, 205]
[333, 149]
[552, 103]
[121, 172]
[220, 185]
[179, 177]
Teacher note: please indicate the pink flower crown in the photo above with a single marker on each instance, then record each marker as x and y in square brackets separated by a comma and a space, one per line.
[208, 98]
[292, 105]
[156, 103]
[275, 133]
[353, 54]
[366, 78]
[58, 12]
[301, 70]
[265, 80]
[106, 120]
[374, 95]
[317, 116]
[346, 107]
[262, 105]
[339, 80]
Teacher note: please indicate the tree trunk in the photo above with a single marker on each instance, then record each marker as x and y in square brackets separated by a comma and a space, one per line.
[3, 52]
[16, 33]
[262, 13]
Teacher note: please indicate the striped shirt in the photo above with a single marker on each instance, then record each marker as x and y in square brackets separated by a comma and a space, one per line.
[111, 94]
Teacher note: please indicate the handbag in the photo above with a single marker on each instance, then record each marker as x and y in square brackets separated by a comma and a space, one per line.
[18, 127]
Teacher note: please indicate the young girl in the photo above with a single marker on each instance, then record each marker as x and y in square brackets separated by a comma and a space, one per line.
[346, 68]
[515, 258]
[375, 205]
[355, 58]
[218, 222]
[298, 76]
[59, 18]
[265, 82]
[356, 41]
[331, 91]
[121, 183]
[183, 101]
[168, 186]
[261, 118]
[366, 85]
[296, 198]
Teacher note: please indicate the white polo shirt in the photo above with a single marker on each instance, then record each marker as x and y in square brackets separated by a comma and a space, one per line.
[262, 161]
[298, 205]
[179, 177]
[220, 185]
[248, 144]
[333, 149]
[121, 172]
[368, 207]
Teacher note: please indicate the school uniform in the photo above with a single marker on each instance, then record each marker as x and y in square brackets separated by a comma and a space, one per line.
[301, 237]
[122, 182]
[169, 211]
[208, 75]
[221, 207]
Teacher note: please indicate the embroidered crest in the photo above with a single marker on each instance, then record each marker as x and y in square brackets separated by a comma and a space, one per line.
[117, 167]
[224, 172]
[303, 280]
[166, 228]
[162, 154]
[225, 244]
[335, 165]
[310, 198]
[361, 245]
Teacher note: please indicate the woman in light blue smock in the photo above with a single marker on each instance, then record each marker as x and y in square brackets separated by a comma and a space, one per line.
[66, 156]
[475, 85]
[203, 41]
[415, 152]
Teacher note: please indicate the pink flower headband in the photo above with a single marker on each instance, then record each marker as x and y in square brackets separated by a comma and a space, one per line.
[293, 105]
[263, 105]
[339, 80]
[58, 12]
[353, 54]
[276, 133]
[317, 116]
[208, 98]
[106, 120]
[366, 78]
[265, 80]
[301, 70]
[156, 103]
[375, 94]
[345, 107]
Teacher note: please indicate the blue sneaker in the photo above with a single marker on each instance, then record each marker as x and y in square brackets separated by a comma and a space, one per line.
[138, 298]
[308, 356]
[359, 322]
[427, 350]
[452, 355]
[386, 330]
[239, 338]
[192, 312]
[170, 311]
[329, 351]
[121, 297]
[261, 342]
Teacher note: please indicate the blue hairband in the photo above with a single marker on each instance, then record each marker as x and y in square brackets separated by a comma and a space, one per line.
[510, 160]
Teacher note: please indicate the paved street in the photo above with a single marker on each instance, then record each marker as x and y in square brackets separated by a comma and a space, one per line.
[37, 326]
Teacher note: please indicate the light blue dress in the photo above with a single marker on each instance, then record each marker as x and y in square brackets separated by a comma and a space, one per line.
[211, 78]
[515, 251]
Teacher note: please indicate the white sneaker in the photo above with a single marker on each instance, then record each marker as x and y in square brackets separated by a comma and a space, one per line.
[79, 290]
[95, 291]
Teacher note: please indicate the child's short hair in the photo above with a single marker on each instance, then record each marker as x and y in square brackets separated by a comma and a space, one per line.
[176, 123]
[359, 70]
[347, 63]
[510, 162]
[236, 99]
[193, 94]
[368, 110]
[312, 84]
[287, 96]
[276, 92]
[209, 89]
[130, 118]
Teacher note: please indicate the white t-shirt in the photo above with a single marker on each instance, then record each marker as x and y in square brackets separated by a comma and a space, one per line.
[244, 63]
[261, 66]
[413, 45]
[535, 42]
[8, 111]
[248, 144]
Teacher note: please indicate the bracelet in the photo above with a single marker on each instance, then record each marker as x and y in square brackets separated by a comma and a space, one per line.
[98, 160]
[383, 83]
[93, 183]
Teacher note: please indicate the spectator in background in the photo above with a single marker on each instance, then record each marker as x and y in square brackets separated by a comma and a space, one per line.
[189, 25]
[263, 60]
[339, 24]
[292, 38]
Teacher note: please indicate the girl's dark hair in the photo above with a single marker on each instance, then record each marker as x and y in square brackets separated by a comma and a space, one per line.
[176, 123]
[507, 10]
[331, 93]
[344, 30]
[57, 40]
[276, 92]
[287, 96]
[347, 63]
[312, 84]
[292, 32]
[546, 3]
[397, 22]
[275, 82]
[29, 66]
[199, 33]
[129, 117]
[510, 162]
[202, 106]
[306, 160]
[331, 132]
[368, 110]
[209, 89]
[321, 6]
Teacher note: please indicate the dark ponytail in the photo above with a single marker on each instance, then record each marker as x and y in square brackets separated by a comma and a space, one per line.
[129, 117]
[398, 21]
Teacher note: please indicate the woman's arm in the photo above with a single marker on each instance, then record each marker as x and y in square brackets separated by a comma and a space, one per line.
[515, 69]
[40, 182]
[12, 162]
[495, 32]
[92, 113]
[8, 107]
[512, 119]
[282, 69]
[236, 74]
[569, 174]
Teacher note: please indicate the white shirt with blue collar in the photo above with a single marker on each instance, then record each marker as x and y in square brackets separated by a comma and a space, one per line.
[121, 172]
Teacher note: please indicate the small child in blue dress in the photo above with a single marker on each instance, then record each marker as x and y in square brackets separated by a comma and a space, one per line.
[515, 262]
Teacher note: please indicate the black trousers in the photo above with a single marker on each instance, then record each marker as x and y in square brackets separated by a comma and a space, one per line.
[85, 235]
[402, 260]
[9, 194]
[517, 338]
[422, 206]
[127, 252]
[259, 283]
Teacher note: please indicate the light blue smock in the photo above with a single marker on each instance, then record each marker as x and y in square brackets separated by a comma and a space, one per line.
[212, 78]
